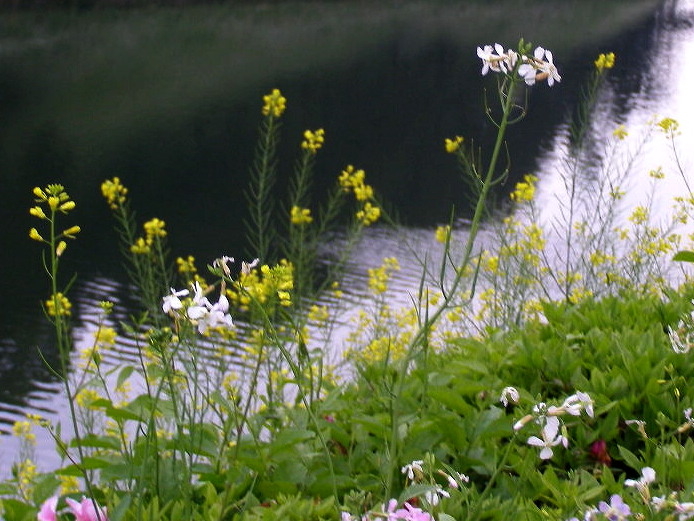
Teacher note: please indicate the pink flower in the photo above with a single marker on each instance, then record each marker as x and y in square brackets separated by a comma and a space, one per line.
[47, 512]
[87, 510]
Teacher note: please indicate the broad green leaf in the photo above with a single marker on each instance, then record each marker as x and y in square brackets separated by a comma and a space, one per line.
[684, 256]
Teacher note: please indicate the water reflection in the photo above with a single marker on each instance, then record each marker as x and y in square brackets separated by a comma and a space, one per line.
[387, 95]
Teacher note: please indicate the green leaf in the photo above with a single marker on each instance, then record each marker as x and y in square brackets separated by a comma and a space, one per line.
[124, 375]
[99, 442]
[14, 510]
[630, 458]
[684, 256]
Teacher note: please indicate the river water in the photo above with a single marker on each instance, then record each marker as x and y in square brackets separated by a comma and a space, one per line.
[169, 100]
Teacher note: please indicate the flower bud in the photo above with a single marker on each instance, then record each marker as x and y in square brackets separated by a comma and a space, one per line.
[34, 234]
[72, 231]
[37, 211]
[61, 248]
[66, 207]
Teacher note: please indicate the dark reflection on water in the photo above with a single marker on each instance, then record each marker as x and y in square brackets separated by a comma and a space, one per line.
[387, 111]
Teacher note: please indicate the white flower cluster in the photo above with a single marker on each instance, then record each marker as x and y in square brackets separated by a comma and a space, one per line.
[200, 311]
[547, 417]
[538, 67]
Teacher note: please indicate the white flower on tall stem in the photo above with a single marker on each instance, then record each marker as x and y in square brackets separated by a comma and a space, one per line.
[207, 315]
[550, 438]
[498, 62]
[413, 469]
[173, 302]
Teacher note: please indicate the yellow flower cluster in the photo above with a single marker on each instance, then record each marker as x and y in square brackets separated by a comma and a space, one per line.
[378, 277]
[86, 397]
[23, 429]
[300, 216]
[266, 286]
[313, 141]
[604, 61]
[58, 305]
[369, 214]
[353, 180]
[453, 145]
[68, 484]
[57, 200]
[154, 230]
[55, 196]
[620, 132]
[114, 192]
[525, 190]
[26, 474]
[274, 104]
[668, 125]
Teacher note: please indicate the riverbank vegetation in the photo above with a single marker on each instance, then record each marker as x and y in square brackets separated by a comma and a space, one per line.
[542, 374]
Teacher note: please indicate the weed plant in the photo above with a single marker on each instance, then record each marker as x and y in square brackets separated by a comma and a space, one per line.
[543, 375]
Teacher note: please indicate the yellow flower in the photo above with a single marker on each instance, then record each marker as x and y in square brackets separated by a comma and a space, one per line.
[442, 233]
[363, 192]
[85, 397]
[274, 104]
[154, 228]
[369, 214]
[620, 132]
[313, 140]
[657, 173]
[300, 216]
[105, 336]
[140, 247]
[452, 145]
[668, 125]
[639, 215]
[58, 304]
[114, 192]
[187, 265]
[60, 249]
[525, 190]
[23, 429]
[604, 61]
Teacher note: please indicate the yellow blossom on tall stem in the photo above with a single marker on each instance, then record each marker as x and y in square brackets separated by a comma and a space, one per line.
[114, 192]
[525, 190]
[604, 61]
[274, 104]
[453, 145]
[300, 216]
[313, 141]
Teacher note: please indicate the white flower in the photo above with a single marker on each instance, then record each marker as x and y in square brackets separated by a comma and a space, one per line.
[200, 306]
[246, 267]
[575, 403]
[548, 67]
[496, 62]
[412, 469]
[509, 394]
[550, 438]
[647, 477]
[685, 511]
[216, 316]
[527, 72]
[173, 302]
[453, 482]
[433, 497]
[223, 262]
